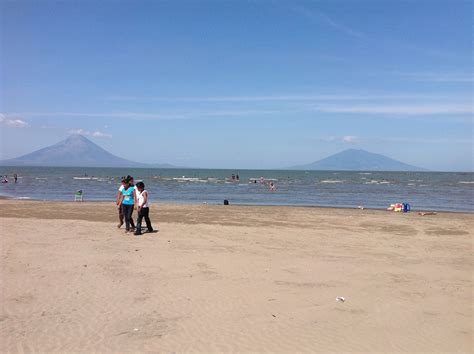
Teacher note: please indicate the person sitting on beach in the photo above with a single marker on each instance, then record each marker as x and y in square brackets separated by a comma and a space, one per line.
[143, 210]
[128, 202]
[119, 203]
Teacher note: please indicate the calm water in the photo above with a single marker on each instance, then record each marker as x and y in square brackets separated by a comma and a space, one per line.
[423, 190]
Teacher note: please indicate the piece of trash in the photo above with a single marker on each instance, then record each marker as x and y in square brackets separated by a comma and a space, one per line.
[360, 207]
[340, 299]
[135, 329]
[137, 250]
[427, 213]
[273, 315]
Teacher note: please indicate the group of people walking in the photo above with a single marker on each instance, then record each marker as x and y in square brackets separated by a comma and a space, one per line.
[129, 198]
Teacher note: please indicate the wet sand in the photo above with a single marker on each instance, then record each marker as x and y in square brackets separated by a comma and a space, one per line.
[235, 278]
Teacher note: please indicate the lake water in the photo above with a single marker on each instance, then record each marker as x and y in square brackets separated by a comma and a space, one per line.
[423, 190]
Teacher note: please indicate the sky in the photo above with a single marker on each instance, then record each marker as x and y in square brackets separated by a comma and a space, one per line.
[240, 84]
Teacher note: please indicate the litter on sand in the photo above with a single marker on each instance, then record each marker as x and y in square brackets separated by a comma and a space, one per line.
[426, 213]
[340, 299]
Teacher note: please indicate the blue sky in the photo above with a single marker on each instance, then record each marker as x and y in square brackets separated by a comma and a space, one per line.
[240, 84]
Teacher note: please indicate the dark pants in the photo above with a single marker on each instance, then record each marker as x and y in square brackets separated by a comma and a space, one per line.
[127, 211]
[121, 218]
[143, 213]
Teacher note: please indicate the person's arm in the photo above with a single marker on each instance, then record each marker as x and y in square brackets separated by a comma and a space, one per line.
[119, 198]
[135, 197]
[145, 197]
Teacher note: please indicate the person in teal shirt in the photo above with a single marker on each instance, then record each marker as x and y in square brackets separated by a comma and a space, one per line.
[129, 200]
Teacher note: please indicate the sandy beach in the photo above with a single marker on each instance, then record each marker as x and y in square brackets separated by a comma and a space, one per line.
[234, 279]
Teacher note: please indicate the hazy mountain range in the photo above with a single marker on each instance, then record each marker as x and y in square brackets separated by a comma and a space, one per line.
[75, 151]
[358, 160]
[78, 151]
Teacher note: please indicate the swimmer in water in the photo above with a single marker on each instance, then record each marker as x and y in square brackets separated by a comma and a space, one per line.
[272, 187]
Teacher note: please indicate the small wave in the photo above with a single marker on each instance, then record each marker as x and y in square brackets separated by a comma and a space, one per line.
[377, 182]
[365, 173]
[466, 182]
[22, 198]
[331, 181]
[40, 178]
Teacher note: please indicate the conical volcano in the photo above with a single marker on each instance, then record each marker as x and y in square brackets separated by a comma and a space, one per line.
[76, 151]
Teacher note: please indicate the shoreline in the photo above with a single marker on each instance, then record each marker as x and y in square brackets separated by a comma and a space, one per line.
[414, 211]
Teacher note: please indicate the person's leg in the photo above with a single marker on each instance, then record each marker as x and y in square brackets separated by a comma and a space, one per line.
[127, 220]
[132, 224]
[147, 220]
[120, 212]
[127, 213]
[138, 230]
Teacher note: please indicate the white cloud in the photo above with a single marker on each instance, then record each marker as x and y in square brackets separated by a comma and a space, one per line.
[13, 122]
[349, 139]
[398, 109]
[95, 134]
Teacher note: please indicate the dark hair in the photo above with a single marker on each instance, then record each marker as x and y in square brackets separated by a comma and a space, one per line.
[125, 180]
[140, 185]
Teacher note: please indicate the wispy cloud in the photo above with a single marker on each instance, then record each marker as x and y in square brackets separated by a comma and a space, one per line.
[349, 139]
[95, 134]
[279, 98]
[346, 139]
[157, 116]
[322, 18]
[125, 115]
[437, 141]
[459, 77]
[294, 106]
[13, 121]
[418, 109]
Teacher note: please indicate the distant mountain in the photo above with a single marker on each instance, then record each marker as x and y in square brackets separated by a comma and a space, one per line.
[75, 151]
[358, 160]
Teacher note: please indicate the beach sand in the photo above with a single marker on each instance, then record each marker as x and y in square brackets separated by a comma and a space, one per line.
[236, 278]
